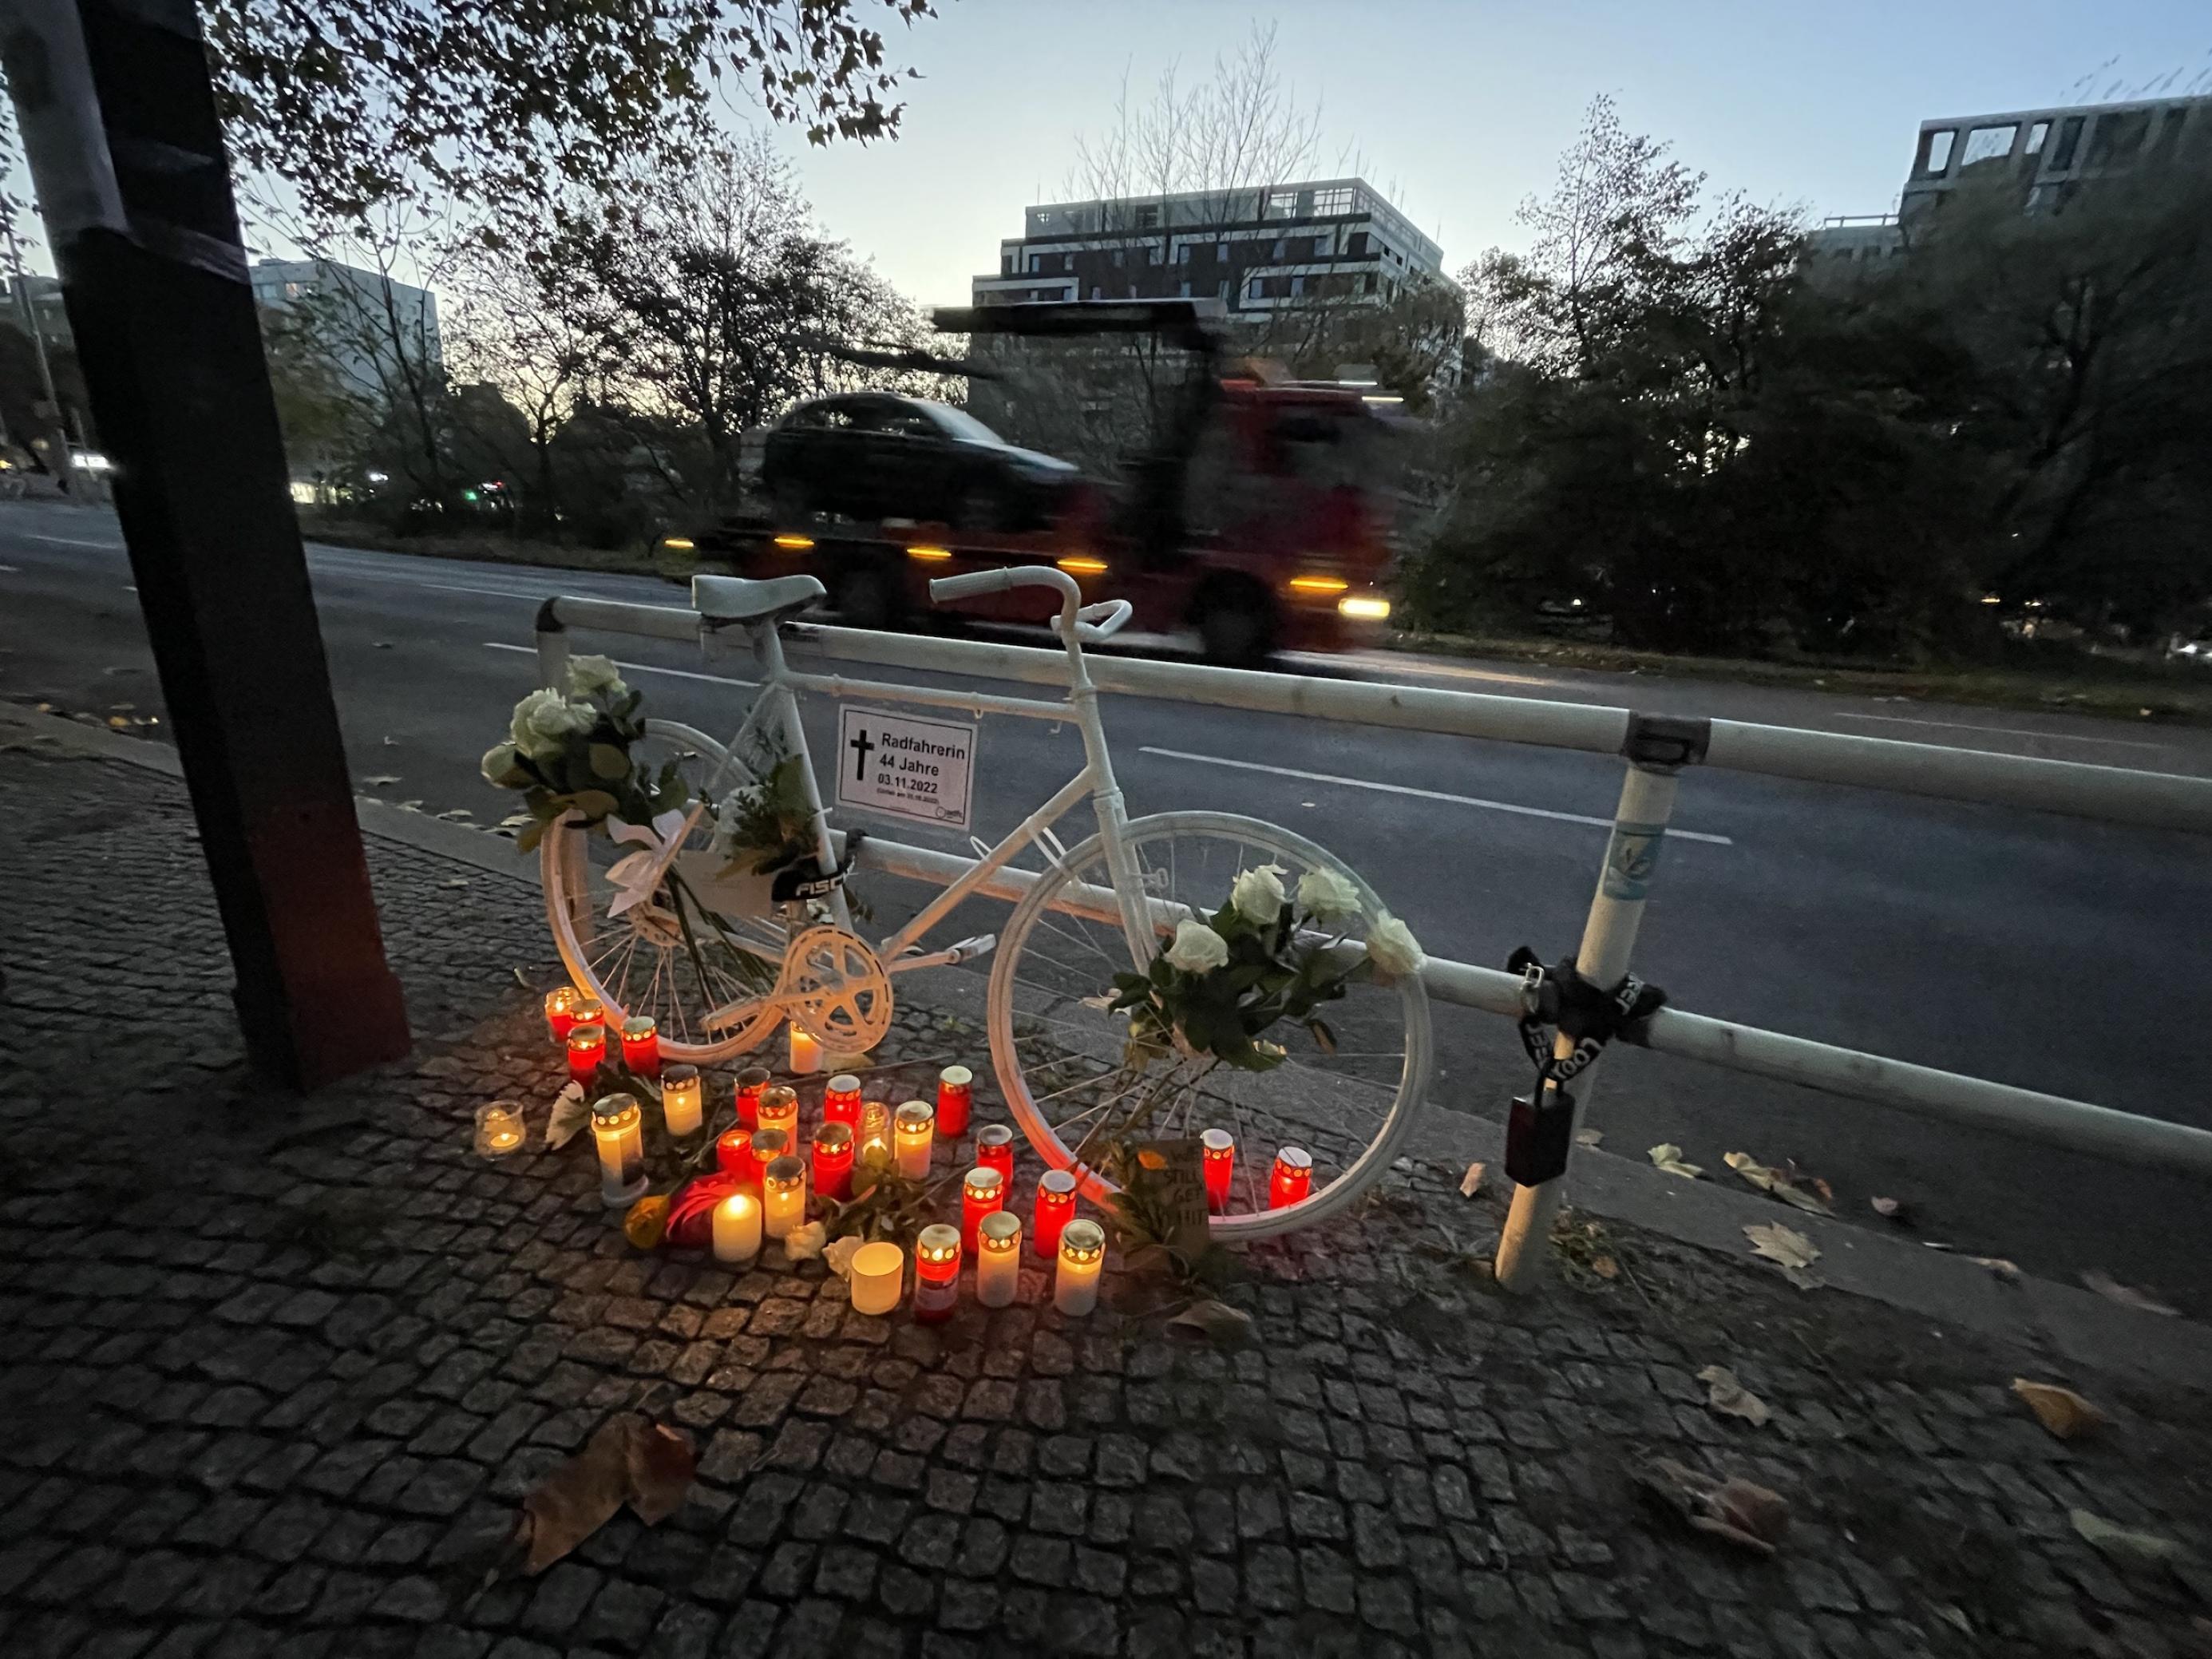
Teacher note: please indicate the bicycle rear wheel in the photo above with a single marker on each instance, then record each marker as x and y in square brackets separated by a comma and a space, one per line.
[1063, 1062]
[677, 957]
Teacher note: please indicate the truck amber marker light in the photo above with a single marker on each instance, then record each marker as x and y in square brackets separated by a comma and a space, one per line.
[1318, 584]
[929, 555]
[1363, 610]
[679, 542]
[793, 543]
[1081, 564]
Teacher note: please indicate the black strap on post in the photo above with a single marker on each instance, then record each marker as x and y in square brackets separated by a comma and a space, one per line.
[1561, 997]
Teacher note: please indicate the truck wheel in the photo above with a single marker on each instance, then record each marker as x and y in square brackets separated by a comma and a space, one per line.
[1237, 624]
[870, 596]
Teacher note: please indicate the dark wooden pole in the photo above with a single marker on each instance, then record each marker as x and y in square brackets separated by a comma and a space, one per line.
[118, 121]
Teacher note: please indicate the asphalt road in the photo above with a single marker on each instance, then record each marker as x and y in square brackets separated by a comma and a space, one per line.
[2059, 955]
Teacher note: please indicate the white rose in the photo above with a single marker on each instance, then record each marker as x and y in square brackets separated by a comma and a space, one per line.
[498, 760]
[1393, 948]
[1326, 896]
[1197, 949]
[523, 727]
[1258, 894]
[544, 718]
[590, 674]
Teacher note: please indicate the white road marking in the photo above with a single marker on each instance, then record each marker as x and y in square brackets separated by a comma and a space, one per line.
[10, 570]
[1426, 794]
[2006, 731]
[445, 587]
[639, 667]
[72, 541]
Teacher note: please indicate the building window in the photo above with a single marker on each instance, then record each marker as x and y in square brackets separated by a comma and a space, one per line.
[1117, 258]
[1297, 285]
[1337, 199]
[1094, 290]
[2069, 140]
[1282, 205]
[1006, 265]
[1148, 216]
[2168, 143]
[1988, 144]
[1152, 254]
[1221, 290]
[1281, 249]
[1936, 148]
[1036, 263]
[1252, 289]
[1186, 290]
[2036, 135]
[1183, 253]
[1356, 245]
[1221, 252]
[2118, 139]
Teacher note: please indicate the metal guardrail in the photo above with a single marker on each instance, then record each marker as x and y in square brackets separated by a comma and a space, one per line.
[1655, 750]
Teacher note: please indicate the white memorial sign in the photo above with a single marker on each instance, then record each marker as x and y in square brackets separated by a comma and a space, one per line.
[907, 768]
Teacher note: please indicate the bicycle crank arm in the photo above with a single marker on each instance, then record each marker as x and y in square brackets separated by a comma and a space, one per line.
[950, 957]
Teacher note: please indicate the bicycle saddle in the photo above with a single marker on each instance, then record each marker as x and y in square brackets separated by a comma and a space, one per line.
[736, 599]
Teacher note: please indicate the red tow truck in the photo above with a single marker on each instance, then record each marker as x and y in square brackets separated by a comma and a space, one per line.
[1256, 520]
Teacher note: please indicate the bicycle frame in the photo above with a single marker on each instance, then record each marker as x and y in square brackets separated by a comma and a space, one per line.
[776, 708]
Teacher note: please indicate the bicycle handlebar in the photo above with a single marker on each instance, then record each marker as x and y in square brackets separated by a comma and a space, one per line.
[1097, 622]
[998, 581]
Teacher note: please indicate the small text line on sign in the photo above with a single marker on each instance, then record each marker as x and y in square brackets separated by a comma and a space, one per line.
[905, 767]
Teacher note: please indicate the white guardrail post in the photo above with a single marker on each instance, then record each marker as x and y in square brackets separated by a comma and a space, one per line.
[1657, 748]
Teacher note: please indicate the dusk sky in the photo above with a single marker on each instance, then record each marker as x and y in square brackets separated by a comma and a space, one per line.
[1464, 104]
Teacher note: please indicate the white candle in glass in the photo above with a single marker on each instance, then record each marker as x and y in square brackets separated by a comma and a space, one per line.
[783, 1195]
[914, 1130]
[618, 1130]
[998, 1258]
[1082, 1261]
[806, 1052]
[738, 1228]
[681, 1107]
[878, 1278]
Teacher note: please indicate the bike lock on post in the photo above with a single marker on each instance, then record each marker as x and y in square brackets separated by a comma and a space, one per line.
[1657, 747]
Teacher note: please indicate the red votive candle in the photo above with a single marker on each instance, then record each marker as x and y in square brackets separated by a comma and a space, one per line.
[983, 1192]
[841, 1102]
[956, 1093]
[1218, 1160]
[936, 1274]
[995, 1150]
[765, 1146]
[1055, 1208]
[587, 1047]
[1293, 1178]
[640, 1045]
[590, 1011]
[561, 1010]
[733, 1155]
[833, 1161]
[750, 1082]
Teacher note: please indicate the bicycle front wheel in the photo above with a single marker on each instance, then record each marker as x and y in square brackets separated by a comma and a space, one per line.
[674, 957]
[1074, 1084]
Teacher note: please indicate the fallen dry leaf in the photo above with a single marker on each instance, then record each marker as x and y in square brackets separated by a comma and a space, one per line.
[2109, 1538]
[1725, 1393]
[568, 1118]
[1668, 1157]
[1955, 1616]
[2060, 1410]
[1777, 1184]
[646, 1222]
[2106, 1286]
[1738, 1510]
[1605, 1267]
[839, 1254]
[1788, 1248]
[805, 1244]
[1215, 1322]
[380, 780]
[1588, 1137]
[2008, 1270]
[454, 881]
[629, 1460]
[1471, 1182]
[1892, 1209]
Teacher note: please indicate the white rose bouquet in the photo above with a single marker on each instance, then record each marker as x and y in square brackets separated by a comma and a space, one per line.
[571, 750]
[1224, 980]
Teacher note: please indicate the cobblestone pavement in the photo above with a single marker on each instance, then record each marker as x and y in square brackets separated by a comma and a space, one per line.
[277, 1377]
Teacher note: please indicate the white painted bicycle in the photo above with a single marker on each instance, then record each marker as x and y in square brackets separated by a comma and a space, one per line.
[719, 962]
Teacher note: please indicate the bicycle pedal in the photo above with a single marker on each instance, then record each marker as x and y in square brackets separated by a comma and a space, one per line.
[982, 944]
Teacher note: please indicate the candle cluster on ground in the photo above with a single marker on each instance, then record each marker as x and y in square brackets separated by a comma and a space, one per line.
[773, 1168]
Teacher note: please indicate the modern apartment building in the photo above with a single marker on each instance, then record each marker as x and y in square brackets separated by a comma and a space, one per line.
[2048, 155]
[1255, 249]
[371, 324]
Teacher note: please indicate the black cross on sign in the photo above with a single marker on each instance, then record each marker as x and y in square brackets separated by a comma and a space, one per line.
[861, 744]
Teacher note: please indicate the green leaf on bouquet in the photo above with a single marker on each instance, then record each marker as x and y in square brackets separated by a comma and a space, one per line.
[609, 762]
[593, 804]
[527, 840]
